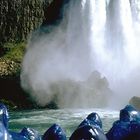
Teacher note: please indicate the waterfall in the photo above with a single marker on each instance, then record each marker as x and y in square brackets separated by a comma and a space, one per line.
[90, 60]
[115, 44]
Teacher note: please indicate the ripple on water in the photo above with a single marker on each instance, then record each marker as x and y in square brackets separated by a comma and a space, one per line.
[69, 119]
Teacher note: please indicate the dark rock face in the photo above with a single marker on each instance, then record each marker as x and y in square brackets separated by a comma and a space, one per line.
[53, 12]
[12, 93]
[18, 18]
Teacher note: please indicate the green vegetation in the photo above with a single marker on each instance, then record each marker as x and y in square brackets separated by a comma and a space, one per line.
[14, 51]
[10, 61]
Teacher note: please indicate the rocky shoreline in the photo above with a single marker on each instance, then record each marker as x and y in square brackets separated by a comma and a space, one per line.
[11, 92]
[8, 67]
[12, 95]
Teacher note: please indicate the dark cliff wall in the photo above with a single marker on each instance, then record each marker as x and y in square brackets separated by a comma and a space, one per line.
[53, 13]
[18, 18]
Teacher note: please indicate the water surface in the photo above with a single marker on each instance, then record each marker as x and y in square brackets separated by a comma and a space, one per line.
[69, 119]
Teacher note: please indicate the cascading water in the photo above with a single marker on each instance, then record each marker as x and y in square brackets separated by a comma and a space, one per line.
[117, 53]
[95, 36]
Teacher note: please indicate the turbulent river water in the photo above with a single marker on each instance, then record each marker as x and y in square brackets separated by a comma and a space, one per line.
[68, 119]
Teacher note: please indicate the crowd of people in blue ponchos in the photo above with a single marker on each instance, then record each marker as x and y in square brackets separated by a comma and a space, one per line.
[126, 128]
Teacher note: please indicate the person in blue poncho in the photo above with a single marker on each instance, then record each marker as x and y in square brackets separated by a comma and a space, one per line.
[30, 134]
[4, 115]
[4, 118]
[127, 127]
[92, 119]
[55, 132]
[4, 121]
[5, 134]
[89, 129]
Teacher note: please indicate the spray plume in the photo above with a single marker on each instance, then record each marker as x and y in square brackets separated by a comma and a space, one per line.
[95, 39]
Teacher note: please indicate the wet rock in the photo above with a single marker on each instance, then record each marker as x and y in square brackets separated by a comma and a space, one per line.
[135, 101]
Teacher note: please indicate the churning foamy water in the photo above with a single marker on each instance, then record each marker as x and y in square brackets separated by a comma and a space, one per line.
[68, 119]
[91, 59]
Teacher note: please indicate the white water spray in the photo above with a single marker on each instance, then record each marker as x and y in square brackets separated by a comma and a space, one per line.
[98, 36]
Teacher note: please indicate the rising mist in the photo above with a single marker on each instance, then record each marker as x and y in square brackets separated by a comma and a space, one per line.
[91, 59]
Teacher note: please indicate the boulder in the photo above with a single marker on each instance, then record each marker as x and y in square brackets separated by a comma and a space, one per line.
[135, 101]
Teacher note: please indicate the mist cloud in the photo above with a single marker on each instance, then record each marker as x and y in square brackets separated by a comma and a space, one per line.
[91, 59]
